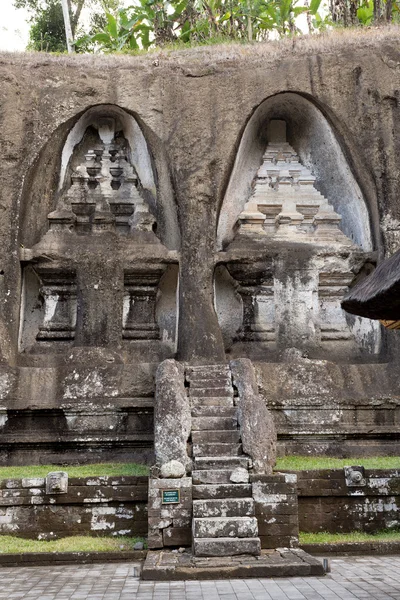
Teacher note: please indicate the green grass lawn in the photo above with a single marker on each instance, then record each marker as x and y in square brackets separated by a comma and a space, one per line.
[78, 543]
[355, 536]
[286, 463]
[303, 463]
[113, 469]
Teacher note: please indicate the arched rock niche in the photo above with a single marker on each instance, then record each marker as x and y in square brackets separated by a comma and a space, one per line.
[99, 239]
[46, 179]
[294, 230]
[311, 135]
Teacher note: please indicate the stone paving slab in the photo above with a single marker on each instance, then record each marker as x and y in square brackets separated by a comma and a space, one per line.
[164, 565]
[351, 578]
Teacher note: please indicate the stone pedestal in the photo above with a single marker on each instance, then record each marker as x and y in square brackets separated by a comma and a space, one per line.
[58, 290]
[333, 324]
[140, 294]
[257, 294]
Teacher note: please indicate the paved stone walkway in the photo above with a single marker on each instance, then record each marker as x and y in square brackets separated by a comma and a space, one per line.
[351, 578]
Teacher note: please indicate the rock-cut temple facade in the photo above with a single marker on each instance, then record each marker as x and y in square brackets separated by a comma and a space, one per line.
[206, 211]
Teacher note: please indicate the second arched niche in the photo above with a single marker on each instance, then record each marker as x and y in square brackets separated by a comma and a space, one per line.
[294, 231]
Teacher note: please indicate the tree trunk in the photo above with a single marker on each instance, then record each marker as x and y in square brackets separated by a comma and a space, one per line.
[308, 15]
[75, 17]
[389, 6]
[249, 23]
[353, 11]
[377, 11]
[67, 25]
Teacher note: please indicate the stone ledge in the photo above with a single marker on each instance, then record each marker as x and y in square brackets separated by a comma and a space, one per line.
[172, 566]
[352, 548]
[68, 558]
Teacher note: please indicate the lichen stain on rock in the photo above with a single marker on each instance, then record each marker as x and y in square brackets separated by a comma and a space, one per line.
[89, 386]
[391, 231]
[5, 386]
[99, 520]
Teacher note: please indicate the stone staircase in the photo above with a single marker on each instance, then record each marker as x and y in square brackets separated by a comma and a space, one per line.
[224, 521]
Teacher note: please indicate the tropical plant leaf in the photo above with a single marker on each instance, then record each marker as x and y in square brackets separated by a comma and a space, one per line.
[180, 8]
[299, 10]
[133, 43]
[314, 6]
[104, 38]
[365, 15]
[112, 25]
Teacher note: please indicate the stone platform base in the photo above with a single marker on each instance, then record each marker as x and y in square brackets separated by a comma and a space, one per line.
[166, 565]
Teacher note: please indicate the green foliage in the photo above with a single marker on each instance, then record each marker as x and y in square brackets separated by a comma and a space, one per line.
[97, 470]
[304, 463]
[365, 13]
[119, 31]
[162, 23]
[77, 543]
[47, 32]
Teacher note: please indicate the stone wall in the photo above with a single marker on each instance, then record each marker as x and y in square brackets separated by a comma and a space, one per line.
[118, 506]
[328, 501]
[314, 402]
[91, 506]
[276, 508]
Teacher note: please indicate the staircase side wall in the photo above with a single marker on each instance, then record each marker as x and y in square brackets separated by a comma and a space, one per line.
[276, 510]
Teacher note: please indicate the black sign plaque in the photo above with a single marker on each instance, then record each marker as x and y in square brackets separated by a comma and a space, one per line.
[171, 496]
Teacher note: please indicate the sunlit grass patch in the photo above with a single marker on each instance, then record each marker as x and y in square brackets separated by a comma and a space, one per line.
[304, 463]
[96, 470]
[355, 536]
[77, 543]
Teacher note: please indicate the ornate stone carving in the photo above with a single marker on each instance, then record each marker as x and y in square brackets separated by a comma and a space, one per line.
[285, 203]
[57, 483]
[58, 290]
[105, 191]
[331, 289]
[140, 294]
[256, 290]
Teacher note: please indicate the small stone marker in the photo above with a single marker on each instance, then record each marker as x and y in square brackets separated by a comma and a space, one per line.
[355, 476]
[138, 546]
[171, 496]
[57, 482]
[326, 563]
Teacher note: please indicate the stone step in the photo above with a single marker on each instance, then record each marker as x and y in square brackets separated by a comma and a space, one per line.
[226, 546]
[211, 401]
[210, 382]
[208, 369]
[222, 490]
[217, 449]
[211, 476]
[226, 507]
[205, 436]
[212, 423]
[221, 462]
[215, 527]
[213, 392]
[214, 411]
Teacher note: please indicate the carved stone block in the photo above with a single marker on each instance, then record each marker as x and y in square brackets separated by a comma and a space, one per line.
[58, 290]
[57, 482]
